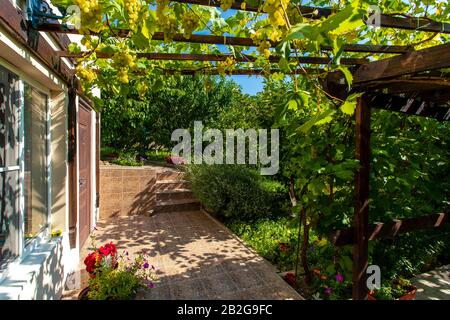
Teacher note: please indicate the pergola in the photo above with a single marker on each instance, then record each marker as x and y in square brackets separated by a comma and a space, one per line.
[411, 82]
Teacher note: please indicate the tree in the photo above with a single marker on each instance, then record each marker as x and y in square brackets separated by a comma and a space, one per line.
[144, 121]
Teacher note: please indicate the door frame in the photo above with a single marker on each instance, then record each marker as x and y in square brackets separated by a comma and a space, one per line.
[76, 102]
[83, 106]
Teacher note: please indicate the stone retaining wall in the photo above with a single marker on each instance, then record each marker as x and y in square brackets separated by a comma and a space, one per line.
[126, 190]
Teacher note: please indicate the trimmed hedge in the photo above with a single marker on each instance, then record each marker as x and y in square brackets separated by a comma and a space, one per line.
[236, 191]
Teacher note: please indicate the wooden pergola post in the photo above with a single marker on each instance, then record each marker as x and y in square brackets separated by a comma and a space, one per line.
[361, 221]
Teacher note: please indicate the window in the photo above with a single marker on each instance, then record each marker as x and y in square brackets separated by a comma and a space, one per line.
[35, 161]
[9, 166]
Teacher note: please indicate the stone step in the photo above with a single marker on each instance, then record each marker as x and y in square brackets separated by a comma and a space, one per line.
[176, 194]
[179, 205]
[163, 185]
[170, 175]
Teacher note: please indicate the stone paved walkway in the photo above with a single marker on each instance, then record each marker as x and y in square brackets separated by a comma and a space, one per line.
[196, 257]
[433, 285]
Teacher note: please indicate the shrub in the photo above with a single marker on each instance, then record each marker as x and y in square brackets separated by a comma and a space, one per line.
[275, 240]
[128, 158]
[236, 191]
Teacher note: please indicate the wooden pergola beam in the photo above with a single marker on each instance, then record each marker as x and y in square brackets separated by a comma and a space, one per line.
[386, 20]
[217, 57]
[234, 41]
[238, 72]
[361, 210]
[415, 24]
[310, 12]
[410, 106]
[389, 230]
[432, 58]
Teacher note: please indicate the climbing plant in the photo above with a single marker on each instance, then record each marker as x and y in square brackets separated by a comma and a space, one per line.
[282, 21]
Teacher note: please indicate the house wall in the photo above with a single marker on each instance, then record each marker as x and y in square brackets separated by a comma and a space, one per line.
[59, 171]
[126, 190]
[43, 267]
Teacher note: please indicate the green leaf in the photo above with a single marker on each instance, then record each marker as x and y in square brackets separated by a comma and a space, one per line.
[158, 85]
[144, 30]
[346, 20]
[303, 31]
[110, 49]
[293, 104]
[347, 74]
[74, 47]
[330, 269]
[304, 98]
[284, 65]
[318, 119]
[348, 107]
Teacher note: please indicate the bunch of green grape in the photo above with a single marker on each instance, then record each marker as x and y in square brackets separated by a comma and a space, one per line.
[133, 8]
[123, 61]
[276, 11]
[167, 20]
[189, 22]
[86, 74]
[227, 65]
[226, 4]
[91, 15]
[294, 14]
[260, 38]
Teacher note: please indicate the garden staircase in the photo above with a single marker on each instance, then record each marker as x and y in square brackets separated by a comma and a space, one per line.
[173, 193]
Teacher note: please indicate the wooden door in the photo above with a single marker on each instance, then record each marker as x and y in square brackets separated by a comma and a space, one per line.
[84, 130]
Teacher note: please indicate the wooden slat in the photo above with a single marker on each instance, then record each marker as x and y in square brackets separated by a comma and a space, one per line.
[361, 220]
[386, 20]
[217, 57]
[418, 24]
[389, 230]
[235, 41]
[310, 12]
[410, 106]
[72, 155]
[238, 72]
[13, 21]
[432, 58]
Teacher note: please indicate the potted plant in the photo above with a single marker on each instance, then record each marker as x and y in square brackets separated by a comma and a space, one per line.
[116, 276]
[399, 289]
[175, 160]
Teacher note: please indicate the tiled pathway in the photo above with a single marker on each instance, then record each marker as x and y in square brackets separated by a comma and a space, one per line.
[196, 257]
[433, 285]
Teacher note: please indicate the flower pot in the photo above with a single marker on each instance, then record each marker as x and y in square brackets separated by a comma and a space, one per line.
[409, 295]
[83, 294]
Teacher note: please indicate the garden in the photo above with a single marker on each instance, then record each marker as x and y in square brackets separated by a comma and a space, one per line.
[161, 65]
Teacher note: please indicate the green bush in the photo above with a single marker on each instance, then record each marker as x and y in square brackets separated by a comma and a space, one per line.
[128, 158]
[275, 240]
[234, 191]
[114, 285]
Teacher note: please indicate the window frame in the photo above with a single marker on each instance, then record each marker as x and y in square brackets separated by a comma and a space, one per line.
[23, 248]
[6, 168]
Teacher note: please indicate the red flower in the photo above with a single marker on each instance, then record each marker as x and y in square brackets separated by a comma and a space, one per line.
[91, 261]
[290, 278]
[283, 247]
[108, 249]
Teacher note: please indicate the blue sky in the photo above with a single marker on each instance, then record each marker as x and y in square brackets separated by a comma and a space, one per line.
[249, 84]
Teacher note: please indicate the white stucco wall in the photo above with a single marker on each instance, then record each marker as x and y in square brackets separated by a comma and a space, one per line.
[47, 265]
